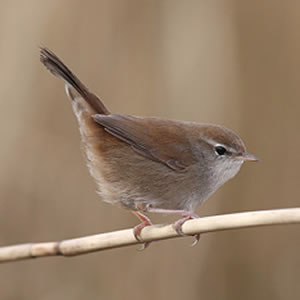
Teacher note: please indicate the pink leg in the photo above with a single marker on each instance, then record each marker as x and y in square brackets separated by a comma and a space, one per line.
[138, 228]
[186, 215]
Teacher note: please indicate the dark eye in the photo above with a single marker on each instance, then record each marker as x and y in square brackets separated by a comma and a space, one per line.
[220, 150]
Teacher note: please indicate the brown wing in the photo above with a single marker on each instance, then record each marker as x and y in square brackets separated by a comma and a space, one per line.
[161, 140]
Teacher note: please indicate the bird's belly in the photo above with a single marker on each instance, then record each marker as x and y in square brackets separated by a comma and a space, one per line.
[135, 181]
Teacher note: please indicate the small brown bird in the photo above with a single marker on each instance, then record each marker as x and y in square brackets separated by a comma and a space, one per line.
[150, 164]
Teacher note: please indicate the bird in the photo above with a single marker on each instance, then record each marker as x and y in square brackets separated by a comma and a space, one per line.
[150, 164]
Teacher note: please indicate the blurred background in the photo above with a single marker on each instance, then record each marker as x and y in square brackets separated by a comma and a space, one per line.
[235, 63]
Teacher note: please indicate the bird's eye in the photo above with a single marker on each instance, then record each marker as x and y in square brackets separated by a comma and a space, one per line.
[220, 150]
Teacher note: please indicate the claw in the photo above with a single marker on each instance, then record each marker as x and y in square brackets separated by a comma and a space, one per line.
[144, 246]
[196, 240]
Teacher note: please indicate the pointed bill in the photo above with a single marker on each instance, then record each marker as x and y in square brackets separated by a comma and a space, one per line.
[247, 157]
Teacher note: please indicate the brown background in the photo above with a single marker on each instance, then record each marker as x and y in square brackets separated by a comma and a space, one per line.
[235, 63]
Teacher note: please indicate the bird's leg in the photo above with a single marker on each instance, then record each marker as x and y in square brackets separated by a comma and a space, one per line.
[185, 215]
[138, 228]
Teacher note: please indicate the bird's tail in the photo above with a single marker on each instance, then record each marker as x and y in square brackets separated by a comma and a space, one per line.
[59, 69]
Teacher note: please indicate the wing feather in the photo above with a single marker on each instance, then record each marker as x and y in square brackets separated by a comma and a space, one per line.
[155, 139]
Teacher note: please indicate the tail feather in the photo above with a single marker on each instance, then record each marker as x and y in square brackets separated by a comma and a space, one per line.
[59, 69]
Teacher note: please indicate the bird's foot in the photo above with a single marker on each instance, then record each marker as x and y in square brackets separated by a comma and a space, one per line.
[178, 225]
[138, 229]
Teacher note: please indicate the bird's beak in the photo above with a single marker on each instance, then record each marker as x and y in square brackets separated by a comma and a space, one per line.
[247, 156]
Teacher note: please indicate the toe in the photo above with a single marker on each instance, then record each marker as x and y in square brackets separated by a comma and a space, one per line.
[197, 238]
[144, 246]
[178, 225]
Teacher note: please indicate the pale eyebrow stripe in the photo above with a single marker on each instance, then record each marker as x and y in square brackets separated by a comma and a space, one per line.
[215, 144]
